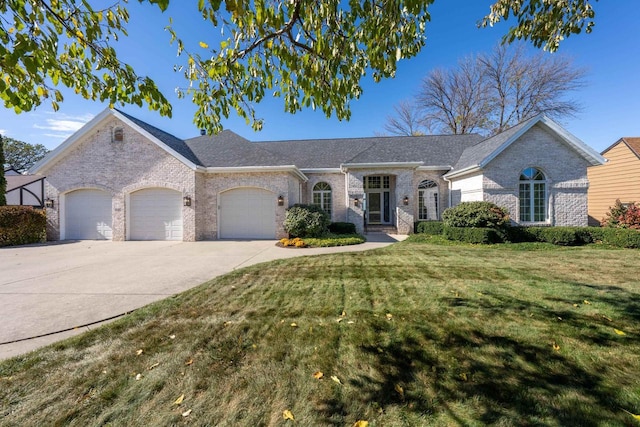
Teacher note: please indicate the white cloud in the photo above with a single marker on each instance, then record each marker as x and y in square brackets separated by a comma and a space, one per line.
[3, 131]
[65, 124]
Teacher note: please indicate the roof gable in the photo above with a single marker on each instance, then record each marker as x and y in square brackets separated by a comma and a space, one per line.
[479, 155]
[167, 142]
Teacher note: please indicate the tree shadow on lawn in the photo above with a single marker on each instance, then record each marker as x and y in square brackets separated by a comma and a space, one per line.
[473, 374]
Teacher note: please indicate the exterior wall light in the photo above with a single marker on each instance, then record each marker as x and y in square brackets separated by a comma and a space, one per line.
[356, 202]
[280, 200]
[405, 201]
[186, 201]
[48, 203]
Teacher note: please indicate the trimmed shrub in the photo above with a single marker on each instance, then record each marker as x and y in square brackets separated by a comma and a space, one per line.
[432, 228]
[342, 228]
[618, 237]
[306, 221]
[472, 235]
[20, 225]
[476, 214]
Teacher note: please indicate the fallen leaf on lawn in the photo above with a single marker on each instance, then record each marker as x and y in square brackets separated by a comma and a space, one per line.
[344, 313]
[576, 305]
[187, 413]
[172, 337]
[586, 302]
[287, 415]
[339, 319]
[336, 379]
[179, 400]
[318, 375]
[637, 417]
[618, 331]
[350, 322]
[560, 318]
[294, 325]
[155, 365]
[361, 423]
[189, 362]
[138, 377]
[606, 318]
[398, 388]
[139, 352]
[389, 316]
[463, 376]
[556, 347]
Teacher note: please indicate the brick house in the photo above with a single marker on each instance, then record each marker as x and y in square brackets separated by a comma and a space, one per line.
[120, 178]
[619, 178]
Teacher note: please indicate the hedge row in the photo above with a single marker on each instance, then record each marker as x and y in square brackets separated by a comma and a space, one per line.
[342, 228]
[562, 236]
[20, 225]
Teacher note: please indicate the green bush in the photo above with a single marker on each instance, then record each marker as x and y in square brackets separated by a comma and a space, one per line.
[472, 235]
[342, 228]
[618, 237]
[306, 221]
[20, 225]
[330, 240]
[476, 214]
[433, 228]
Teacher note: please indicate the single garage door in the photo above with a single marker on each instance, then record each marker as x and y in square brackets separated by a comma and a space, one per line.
[155, 214]
[87, 215]
[247, 213]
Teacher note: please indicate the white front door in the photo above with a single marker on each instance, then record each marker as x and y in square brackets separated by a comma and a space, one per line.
[155, 214]
[87, 215]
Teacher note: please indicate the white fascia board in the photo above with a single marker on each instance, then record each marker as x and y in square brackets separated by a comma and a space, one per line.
[389, 165]
[321, 170]
[591, 155]
[56, 153]
[435, 168]
[292, 169]
[155, 140]
[462, 172]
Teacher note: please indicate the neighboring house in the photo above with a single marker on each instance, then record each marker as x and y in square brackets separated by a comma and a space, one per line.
[120, 178]
[619, 178]
[27, 190]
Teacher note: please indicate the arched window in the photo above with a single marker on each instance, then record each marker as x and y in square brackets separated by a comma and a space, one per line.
[533, 195]
[322, 196]
[428, 201]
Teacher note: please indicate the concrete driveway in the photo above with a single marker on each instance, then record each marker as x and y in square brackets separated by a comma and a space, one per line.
[52, 291]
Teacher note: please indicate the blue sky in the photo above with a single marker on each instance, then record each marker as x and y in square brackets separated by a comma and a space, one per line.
[610, 100]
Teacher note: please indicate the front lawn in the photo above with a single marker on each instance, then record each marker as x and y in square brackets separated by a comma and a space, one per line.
[413, 334]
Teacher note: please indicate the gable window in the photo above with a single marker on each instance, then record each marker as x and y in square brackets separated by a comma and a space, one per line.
[322, 196]
[533, 195]
[428, 201]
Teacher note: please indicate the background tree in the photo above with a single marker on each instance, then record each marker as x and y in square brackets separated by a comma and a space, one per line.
[406, 121]
[3, 180]
[491, 92]
[21, 155]
[310, 53]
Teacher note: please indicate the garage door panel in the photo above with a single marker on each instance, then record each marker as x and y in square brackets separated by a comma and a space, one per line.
[156, 214]
[247, 213]
[88, 215]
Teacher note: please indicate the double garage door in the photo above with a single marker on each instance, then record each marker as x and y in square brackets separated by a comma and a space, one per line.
[153, 214]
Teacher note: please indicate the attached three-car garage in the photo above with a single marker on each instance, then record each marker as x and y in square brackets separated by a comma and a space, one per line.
[155, 214]
[87, 215]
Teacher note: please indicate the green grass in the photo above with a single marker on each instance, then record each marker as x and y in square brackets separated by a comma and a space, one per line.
[417, 333]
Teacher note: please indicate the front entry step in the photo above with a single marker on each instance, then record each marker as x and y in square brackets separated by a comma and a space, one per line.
[384, 228]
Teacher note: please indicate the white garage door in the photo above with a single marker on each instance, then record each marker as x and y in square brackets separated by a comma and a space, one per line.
[87, 215]
[247, 213]
[155, 214]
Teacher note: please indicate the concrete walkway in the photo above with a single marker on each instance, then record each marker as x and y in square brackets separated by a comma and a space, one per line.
[46, 289]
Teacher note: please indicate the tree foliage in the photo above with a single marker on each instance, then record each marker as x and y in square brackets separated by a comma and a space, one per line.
[21, 155]
[310, 53]
[493, 91]
[3, 180]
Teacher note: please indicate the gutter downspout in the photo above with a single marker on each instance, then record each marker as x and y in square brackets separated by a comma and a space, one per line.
[449, 184]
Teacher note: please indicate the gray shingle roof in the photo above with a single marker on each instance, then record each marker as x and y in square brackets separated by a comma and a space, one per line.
[175, 143]
[228, 149]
